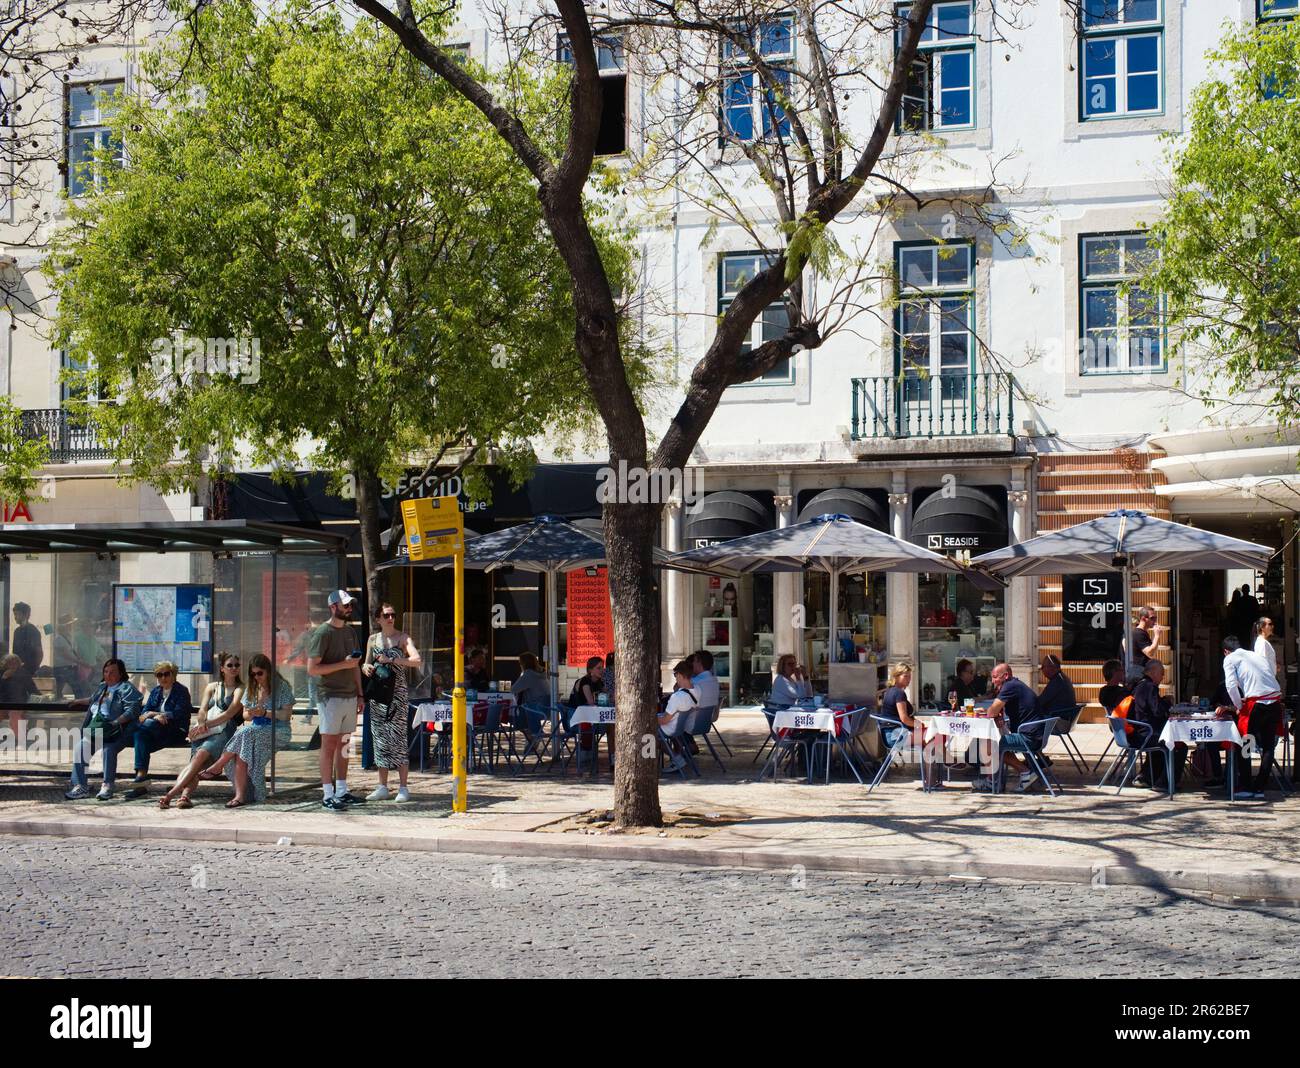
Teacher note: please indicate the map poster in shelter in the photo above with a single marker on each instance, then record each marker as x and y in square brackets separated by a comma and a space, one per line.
[152, 623]
[591, 627]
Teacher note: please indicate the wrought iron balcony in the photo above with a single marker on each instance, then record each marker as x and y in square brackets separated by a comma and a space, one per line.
[68, 441]
[933, 406]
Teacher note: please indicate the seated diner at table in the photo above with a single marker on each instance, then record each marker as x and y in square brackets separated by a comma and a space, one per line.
[1150, 708]
[791, 684]
[587, 691]
[896, 705]
[1014, 704]
[683, 699]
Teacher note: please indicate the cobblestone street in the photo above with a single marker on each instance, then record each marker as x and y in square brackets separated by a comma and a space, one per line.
[81, 907]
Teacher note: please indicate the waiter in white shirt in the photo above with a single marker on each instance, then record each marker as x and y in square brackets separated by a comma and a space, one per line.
[1264, 642]
[1257, 698]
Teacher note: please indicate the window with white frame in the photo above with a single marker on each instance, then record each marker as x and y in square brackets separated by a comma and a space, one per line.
[1122, 323]
[940, 89]
[89, 109]
[1122, 58]
[611, 140]
[734, 272]
[935, 320]
[1273, 10]
[751, 108]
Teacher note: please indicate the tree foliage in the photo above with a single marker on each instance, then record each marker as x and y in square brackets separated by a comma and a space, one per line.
[1229, 265]
[308, 188]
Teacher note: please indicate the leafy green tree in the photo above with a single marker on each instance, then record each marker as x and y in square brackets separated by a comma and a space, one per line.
[318, 252]
[1229, 265]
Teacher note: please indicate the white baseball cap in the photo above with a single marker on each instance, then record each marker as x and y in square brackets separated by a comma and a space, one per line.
[340, 597]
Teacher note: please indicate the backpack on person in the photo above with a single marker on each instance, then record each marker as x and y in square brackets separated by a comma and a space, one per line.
[1122, 710]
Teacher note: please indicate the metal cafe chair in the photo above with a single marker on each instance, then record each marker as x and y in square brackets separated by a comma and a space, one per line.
[1065, 723]
[903, 741]
[1143, 740]
[1021, 744]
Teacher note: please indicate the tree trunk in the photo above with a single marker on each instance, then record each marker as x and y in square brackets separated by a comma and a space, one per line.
[372, 553]
[634, 591]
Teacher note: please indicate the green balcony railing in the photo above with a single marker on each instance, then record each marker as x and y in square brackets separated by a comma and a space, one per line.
[933, 406]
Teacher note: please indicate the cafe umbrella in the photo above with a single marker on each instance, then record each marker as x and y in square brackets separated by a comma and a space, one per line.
[833, 543]
[1126, 541]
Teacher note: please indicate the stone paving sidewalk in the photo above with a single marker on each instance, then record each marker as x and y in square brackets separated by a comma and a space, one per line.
[1197, 841]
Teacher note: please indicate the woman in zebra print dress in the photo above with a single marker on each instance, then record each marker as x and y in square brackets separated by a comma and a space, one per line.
[392, 649]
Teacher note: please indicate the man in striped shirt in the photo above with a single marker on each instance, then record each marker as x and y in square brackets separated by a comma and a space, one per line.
[1253, 689]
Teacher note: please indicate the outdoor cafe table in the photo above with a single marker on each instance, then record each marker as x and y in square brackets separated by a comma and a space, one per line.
[438, 713]
[598, 718]
[1202, 730]
[806, 717]
[972, 728]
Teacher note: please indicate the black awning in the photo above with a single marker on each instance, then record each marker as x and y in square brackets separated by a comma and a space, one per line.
[196, 536]
[853, 503]
[724, 515]
[952, 519]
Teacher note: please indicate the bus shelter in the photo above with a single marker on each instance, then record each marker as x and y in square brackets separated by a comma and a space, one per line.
[260, 587]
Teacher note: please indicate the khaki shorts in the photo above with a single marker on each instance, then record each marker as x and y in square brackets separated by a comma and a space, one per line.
[338, 715]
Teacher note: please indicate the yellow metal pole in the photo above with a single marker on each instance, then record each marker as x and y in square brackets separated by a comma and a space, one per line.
[459, 730]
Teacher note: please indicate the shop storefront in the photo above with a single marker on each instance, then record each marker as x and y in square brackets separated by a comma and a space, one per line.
[733, 618]
[958, 620]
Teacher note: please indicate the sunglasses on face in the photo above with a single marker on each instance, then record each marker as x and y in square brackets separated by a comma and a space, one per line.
[388, 615]
[258, 671]
[163, 675]
[231, 664]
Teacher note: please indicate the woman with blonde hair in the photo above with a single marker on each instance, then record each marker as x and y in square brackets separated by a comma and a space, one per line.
[791, 684]
[896, 705]
[268, 700]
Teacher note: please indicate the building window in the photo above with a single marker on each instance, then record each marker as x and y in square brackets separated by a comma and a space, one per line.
[940, 89]
[935, 317]
[89, 390]
[1121, 68]
[1269, 10]
[1123, 329]
[611, 140]
[734, 272]
[750, 106]
[89, 109]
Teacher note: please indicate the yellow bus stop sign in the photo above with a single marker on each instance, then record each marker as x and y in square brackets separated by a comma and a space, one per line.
[434, 527]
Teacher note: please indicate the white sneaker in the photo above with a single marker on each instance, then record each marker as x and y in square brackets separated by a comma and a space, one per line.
[403, 794]
[379, 793]
[105, 792]
[77, 793]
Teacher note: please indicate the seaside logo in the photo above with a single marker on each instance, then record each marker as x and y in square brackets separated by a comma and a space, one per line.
[75, 1020]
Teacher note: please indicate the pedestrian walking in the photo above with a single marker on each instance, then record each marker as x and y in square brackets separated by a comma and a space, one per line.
[334, 658]
[389, 652]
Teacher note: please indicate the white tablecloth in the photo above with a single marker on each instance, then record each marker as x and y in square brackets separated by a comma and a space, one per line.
[1195, 731]
[970, 727]
[804, 719]
[596, 715]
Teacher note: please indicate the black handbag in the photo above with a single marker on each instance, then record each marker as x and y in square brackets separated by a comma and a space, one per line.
[380, 684]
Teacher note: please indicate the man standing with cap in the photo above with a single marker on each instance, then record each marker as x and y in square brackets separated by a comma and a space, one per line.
[333, 657]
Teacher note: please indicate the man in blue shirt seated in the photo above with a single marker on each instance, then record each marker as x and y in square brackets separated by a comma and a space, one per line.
[1015, 704]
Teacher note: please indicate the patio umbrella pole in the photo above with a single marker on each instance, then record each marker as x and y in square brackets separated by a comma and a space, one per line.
[553, 654]
[1128, 624]
[832, 646]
